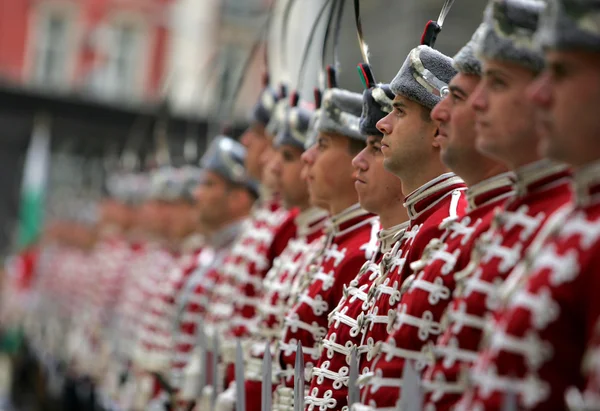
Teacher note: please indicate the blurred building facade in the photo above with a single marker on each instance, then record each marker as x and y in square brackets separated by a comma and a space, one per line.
[99, 67]
[113, 50]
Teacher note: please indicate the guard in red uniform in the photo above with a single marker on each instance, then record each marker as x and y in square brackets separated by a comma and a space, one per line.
[351, 236]
[224, 197]
[548, 307]
[434, 198]
[505, 131]
[153, 349]
[379, 192]
[279, 282]
[428, 290]
[489, 187]
[234, 301]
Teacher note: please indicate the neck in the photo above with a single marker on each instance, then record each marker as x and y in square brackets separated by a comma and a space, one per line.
[421, 177]
[476, 177]
[302, 207]
[525, 156]
[392, 216]
[340, 203]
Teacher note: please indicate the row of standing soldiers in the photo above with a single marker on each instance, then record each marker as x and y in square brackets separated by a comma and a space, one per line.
[448, 220]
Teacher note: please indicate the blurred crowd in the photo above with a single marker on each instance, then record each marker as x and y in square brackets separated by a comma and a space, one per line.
[429, 244]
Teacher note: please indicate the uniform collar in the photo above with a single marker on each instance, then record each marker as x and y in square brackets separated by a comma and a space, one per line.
[192, 242]
[227, 235]
[428, 195]
[310, 221]
[491, 190]
[538, 175]
[389, 236]
[348, 220]
[586, 184]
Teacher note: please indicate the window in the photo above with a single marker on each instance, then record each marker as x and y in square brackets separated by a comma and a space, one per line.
[51, 50]
[244, 8]
[123, 61]
[232, 59]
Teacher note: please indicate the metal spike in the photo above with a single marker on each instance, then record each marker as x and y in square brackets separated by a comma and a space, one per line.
[307, 47]
[299, 379]
[201, 344]
[267, 380]
[364, 47]
[215, 370]
[510, 401]
[240, 401]
[445, 10]
[412, 394]
[353, 392]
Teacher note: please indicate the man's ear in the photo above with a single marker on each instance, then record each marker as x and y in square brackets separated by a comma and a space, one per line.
[240, 200]
[435, 133]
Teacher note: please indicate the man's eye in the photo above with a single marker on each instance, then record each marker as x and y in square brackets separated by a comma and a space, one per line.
[558, 71]
[496, 83]
[454, 97]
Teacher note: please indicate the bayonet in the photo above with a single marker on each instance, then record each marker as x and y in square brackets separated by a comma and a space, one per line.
[299, 379]
[267, 381]
[215, 370]
[240, 401]
[353, 394]
[412, 394]
[510, 401]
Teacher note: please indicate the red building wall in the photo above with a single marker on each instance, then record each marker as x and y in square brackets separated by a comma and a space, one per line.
[15, 36]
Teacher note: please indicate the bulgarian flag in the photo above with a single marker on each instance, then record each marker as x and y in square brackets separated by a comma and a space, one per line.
[35, 177]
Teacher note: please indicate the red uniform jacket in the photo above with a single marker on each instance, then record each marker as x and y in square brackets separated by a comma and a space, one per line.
[278, 288]
[351, 239]
[233, 303]
[194, 297]
[547, 314]
[330, 376]
[541, 189]
[430, 208]
[428, 291]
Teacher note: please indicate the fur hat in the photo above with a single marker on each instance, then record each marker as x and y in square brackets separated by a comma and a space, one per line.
[265, 106]
[570, 24]
[377, 103]
[510, 26]
[340, 113]
[313, 131]
[295, 128]
[465, 61]
[226, 157]
[165, 184]
[424, 76]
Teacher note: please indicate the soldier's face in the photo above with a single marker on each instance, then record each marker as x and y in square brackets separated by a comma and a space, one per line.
[256, 142]
[154, 215]
[115, 212]
[182, 219]
[378, 189]
[567, 95]
[457, 137]
[287, 167]
[269, 162]
[211, 196]
[505, 118]
[408, 134]
[329, 170]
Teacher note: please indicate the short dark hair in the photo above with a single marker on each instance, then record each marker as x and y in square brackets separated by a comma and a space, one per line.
[356, 146]
[426, 114]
